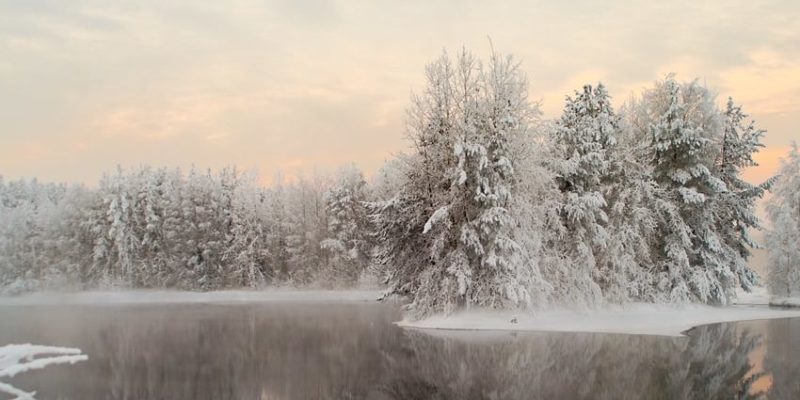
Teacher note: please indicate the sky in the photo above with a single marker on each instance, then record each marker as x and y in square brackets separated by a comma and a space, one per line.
[297, 85]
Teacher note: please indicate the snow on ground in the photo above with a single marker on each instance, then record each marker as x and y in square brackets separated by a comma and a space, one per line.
[19, 358]
[785, 301]
[761, 296]
[637, 319]
[154, 296]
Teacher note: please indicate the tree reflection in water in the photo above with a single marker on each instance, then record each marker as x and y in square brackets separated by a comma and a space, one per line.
[353, 351]
[782, 358]
[711, 364]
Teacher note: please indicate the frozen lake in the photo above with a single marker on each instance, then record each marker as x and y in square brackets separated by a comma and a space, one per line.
[354, 351]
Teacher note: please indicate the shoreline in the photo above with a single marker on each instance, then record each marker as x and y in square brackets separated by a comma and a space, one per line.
[633, 319]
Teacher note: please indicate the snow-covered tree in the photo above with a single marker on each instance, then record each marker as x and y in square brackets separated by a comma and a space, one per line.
[584, 135]
[309, 225]
[277, 231]
[462, 180]
[398, 222]
[349, 242]
[735, 208]
[783, 239]
[121, 229]
[536, 207]
[691, 264]
[245, 253]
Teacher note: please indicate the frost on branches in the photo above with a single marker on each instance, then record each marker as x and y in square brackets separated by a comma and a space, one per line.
[783, 239]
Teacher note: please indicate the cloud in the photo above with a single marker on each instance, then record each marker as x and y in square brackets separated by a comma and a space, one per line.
[769, 84]
[288, 85]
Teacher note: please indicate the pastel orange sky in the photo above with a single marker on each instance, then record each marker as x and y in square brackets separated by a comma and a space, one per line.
[293, 85]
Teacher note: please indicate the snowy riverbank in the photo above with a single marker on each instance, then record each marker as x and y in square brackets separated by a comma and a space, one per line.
[761, 296]
[785, 302]
[638, 319]
[166, 296]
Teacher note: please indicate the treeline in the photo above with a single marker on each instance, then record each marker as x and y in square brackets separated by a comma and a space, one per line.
[154, 227]
[492, 207]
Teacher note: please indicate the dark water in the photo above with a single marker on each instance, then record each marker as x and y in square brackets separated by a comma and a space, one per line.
[352, 351]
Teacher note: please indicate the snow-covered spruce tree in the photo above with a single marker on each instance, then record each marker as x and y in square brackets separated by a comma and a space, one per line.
[783, 239]
[349, 242]
[584, 135]
[462, 127]
[691, 265]
[735, 208]
[245, 253]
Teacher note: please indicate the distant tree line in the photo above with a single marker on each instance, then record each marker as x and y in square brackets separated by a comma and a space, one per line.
[155, 227]
[492, 207]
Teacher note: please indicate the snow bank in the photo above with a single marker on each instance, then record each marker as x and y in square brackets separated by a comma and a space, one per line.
[152, 296]
[637, 319]
[785, 301]
[760, 295]
[18, 358]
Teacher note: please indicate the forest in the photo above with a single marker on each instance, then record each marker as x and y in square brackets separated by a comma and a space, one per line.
[490, 206]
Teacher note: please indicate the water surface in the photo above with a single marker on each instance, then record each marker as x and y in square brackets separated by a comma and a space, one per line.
[353, 351]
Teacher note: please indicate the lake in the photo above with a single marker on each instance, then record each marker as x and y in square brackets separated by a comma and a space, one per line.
[354, 351]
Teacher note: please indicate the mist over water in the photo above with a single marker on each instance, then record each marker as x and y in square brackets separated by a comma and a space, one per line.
[354, 351]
